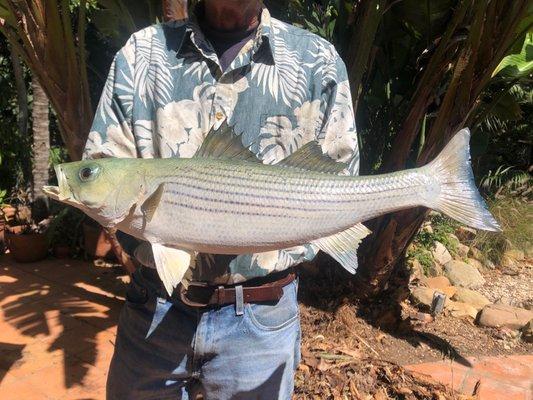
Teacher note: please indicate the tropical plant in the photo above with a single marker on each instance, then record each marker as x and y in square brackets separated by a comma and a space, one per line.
[42, 34]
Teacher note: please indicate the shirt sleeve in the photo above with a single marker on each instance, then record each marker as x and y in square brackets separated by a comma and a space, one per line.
[338, 139]
[111, 132]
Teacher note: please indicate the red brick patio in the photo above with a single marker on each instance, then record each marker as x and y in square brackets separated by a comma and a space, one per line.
[500, 378]
[57, 328]
[58, 324]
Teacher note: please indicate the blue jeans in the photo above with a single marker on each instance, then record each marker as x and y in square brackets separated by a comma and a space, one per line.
[168, 350]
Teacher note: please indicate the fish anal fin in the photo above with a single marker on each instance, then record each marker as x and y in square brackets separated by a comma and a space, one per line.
[225, 143]
[171, 264]
[343, 246]
[149, 205]
[311, 157]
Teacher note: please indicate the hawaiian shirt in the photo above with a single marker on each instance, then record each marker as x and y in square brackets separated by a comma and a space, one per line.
[286, 87]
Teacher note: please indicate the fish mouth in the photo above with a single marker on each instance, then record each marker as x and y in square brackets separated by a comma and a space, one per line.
[61, 192]
[52, 192]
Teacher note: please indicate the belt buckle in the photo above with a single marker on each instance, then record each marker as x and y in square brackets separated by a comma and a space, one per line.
[186, 300]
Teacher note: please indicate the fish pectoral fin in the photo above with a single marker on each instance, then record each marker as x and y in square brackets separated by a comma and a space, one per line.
[225, 143]
[311, 157]
[171, 264]
[149, 205]
[343, 246]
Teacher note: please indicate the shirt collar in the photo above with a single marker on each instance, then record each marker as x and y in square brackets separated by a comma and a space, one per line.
[264, 35]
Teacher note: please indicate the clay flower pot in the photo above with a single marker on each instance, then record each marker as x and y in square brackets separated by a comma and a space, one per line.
[27, 248]
[96, 243]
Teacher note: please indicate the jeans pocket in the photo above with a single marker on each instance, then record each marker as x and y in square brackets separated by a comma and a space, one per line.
[274, 317]
[137, 294]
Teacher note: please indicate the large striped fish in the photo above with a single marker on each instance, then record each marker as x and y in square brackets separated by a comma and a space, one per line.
[225, 201]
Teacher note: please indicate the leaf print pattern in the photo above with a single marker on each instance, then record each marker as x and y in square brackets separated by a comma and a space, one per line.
[279, 77]
[278, 137]
[324, 60]
[117, 142]
[340, 138]
[183, 124]
[153, 78]
[285, 88]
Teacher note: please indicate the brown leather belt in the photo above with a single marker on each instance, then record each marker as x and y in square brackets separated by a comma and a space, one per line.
[203, 295]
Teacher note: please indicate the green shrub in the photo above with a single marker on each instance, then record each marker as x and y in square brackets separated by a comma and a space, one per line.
[515, 216]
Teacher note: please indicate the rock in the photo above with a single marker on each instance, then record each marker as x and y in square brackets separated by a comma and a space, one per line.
[511, 270]
[435, 269]
[501, 315]
[427, 228]
[489, 264]
[462, 274]
[422, 317]
[462, 250]
[515, 254]
[465, 234]
[507, 262]
[475, 263]
[476, 253]
[453, 238]
[458, 309]
[440, 253]
[527, 332]
[423, 296]
[471, 297]
[440, 283]
[415, 269]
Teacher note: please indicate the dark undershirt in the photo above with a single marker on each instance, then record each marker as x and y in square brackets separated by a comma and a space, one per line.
[227, 44]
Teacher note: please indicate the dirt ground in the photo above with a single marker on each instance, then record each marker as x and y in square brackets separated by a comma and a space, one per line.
[355, 350]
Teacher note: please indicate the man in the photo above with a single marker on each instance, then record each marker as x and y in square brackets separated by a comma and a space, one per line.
[234, 333]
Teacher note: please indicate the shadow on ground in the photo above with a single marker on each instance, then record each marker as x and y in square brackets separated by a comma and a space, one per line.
[327, 287]
[64, 304]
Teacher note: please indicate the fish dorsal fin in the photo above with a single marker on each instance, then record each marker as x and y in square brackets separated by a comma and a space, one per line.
[224, 143]
[343, 246]
[311, 157]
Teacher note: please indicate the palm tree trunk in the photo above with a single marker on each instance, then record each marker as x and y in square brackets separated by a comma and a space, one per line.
[41, 147]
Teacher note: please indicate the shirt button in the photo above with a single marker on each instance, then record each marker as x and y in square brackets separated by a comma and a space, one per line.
[219, 115]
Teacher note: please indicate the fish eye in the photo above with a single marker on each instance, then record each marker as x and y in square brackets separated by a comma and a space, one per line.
[87, 174]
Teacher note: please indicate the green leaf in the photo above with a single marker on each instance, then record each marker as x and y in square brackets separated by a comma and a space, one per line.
[518, 65]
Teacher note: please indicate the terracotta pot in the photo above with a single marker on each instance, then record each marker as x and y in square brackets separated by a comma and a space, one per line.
[61, 251]
[96, 242]
[27, 248]
[9, 212]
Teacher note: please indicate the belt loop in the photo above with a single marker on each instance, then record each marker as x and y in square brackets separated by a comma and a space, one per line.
[221, 295]
[239, 300]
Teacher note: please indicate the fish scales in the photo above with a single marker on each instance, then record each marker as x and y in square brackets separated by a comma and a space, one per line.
[269, 209]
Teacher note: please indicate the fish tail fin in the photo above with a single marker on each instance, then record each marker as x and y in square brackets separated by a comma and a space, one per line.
[458, 195]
